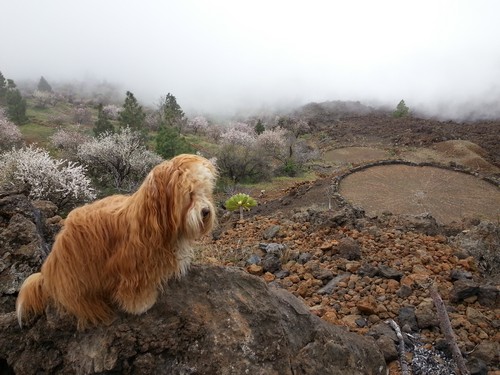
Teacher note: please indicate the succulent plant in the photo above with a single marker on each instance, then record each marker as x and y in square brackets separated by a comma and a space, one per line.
[240, 201]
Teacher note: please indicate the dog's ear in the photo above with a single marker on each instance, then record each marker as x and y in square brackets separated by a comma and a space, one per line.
[164, 196]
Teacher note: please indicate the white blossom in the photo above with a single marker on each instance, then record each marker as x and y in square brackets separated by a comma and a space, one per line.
[32, 168]
[121, 158]
[10, 134]
[198, 124]
[68, 139]
[112, 111]
[238, 137]
[274, 143]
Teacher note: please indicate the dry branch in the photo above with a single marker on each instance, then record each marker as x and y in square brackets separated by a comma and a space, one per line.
[447, 330]
[401, 347]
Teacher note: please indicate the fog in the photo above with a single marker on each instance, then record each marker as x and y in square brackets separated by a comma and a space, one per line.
[441, 57]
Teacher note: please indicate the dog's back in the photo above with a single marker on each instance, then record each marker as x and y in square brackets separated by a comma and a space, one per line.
[75, 268]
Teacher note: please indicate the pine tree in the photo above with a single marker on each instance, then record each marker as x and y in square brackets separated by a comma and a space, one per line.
[103, 124]
[171, 113]
[169, 141]
[3, 88]
[402, 110]
[16, 104]
[132, 114]
[43, 85]
[259, 127]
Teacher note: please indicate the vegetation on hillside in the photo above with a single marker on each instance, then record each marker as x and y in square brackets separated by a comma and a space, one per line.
[117, 143]
[401, 110]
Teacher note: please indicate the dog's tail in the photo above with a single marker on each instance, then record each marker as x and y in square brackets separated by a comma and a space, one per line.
[32, 298]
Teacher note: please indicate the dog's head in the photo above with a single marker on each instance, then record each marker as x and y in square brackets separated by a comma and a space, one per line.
[178, 193]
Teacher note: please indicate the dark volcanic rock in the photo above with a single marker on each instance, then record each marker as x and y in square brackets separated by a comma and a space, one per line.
[349, 249]
[389, 273]
[463, 289]
[25, 241]
[213, 321]
[482, 242]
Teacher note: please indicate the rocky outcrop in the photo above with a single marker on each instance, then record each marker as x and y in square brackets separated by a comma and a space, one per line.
[216, 320]
[482, 242]
[26, 233]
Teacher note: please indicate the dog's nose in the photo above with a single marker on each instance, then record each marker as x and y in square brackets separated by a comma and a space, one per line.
[205, 212]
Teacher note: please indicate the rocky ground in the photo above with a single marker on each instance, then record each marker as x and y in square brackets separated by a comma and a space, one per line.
[352, 270]
[357, 272]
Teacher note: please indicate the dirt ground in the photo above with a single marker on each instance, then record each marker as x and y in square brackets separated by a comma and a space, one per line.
[354, 141]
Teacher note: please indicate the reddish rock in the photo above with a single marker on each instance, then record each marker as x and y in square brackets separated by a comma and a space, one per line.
[255, 269]
[367, 306]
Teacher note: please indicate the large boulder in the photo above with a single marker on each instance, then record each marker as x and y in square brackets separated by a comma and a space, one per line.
[26, 236]
[213, 321]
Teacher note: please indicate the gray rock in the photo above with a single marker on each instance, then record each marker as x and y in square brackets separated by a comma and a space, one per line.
[282, 274]
[271, 232]
[382, 329]
[482, 242]
[489, 295]
[407, 317]
[426, 315]
[389, 273]
[271, 263]
[254, 259]
[273, 248]
[304, 258]
[332, 284]
[462, 289]
[25, 241]
[460, 275]
[388, 347]
[323, 274]
[349, 249]
[213, 321]
[423, 223]
[404, 291]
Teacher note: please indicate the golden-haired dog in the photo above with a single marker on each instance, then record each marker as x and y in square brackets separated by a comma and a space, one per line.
[118, 251]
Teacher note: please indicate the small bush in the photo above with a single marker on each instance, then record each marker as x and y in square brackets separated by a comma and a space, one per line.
[118, 159]
[9, 133]
[43, 177]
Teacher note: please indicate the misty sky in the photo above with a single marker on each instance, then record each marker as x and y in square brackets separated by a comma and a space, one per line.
[443, 56]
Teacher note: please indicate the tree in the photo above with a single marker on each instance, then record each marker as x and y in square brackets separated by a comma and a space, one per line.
[259, 127]
[68, 139]
[3, 88]
[132, 114]
[103, 124]
[119, 159]
[9, 132]
[170, 141]
[43, 85]
[198, 124]
[43, 99]
[240, 163]
[171, 114]
[402, 110]
[44, 177]
[16, 105]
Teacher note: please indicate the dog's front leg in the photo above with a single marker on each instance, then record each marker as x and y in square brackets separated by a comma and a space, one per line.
[135, 299]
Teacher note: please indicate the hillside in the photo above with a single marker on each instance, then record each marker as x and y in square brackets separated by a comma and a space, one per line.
[356, 268]
[354, 249]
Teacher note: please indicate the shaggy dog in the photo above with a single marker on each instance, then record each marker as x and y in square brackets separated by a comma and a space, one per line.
[118, 251]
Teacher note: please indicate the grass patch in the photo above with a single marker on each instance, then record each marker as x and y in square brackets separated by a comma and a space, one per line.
[35, 133]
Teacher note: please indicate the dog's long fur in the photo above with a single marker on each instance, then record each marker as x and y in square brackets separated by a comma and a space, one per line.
[118, 251]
